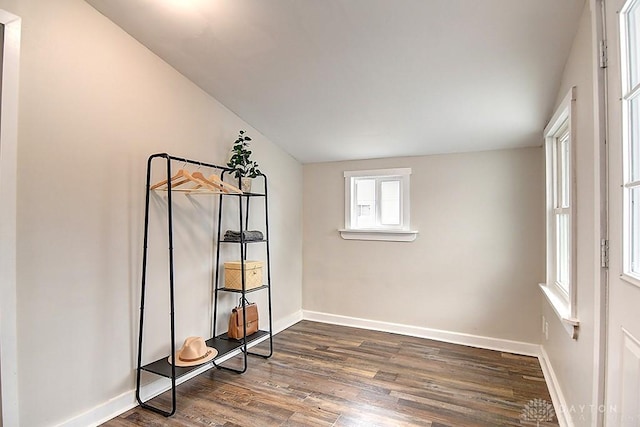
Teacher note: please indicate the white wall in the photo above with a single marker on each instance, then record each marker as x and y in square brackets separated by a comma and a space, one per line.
[572, 360]
[474, 266]
[94, 104]
[10, 30]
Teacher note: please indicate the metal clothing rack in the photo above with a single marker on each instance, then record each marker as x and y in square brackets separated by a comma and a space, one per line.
[226, 347]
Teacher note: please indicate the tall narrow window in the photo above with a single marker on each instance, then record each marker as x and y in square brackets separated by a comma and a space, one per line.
[560, 287]
[630, 25]
[561, 208]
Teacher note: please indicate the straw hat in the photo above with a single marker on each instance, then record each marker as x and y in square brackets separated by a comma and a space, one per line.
[194, 351]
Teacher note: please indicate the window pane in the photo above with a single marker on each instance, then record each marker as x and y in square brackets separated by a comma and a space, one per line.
[634, 139]
[561, 168]
[564, 170]
[390, 202]
[556, 173]
[633, 22]
[365, 201]
[634, 231]
[562, 251]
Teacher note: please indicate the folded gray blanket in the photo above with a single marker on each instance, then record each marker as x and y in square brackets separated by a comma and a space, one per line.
[249, 235]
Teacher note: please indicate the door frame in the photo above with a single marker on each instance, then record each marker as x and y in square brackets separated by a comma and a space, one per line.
[10, 25]
[601, 207]
[621, 285]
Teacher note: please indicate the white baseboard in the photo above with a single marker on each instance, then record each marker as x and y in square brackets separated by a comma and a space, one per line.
[489, 343]
[126, 401]
[286, 322]
[517, 347]
[104, 412]
[559, 402]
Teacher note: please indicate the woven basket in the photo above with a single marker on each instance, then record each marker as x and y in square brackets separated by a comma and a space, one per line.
[233, 275]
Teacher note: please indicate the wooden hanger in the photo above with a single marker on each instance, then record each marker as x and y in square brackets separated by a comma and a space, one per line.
[208, 182]
[214, 180]
[202, 185]
[230, 188]
[180, 178]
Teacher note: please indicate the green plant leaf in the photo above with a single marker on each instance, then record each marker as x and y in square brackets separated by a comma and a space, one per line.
[240, 160]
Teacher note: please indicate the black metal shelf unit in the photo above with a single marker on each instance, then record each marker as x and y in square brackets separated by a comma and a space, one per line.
[243, 222]
[224, 345]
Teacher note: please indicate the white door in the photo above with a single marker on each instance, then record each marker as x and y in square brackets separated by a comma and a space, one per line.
[623, 342]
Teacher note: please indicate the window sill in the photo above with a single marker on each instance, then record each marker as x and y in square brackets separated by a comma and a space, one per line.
[631, 279]
[562, 310]
[381, 235]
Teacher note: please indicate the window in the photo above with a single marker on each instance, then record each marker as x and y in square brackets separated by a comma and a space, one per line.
[377, 205]
[560, 287]
[630, 26]
[376, 202]
[561, 208]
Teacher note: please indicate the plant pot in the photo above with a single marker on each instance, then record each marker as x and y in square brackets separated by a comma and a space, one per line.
[245, 184]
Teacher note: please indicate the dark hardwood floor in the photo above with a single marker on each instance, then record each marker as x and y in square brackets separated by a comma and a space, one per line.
[327, 375]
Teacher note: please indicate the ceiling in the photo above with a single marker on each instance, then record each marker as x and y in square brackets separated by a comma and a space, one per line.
[352, 79]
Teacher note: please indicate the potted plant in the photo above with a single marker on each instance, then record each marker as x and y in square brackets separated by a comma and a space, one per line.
[244, 168]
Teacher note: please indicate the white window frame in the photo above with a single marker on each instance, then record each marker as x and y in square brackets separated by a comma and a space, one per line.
[402, 232]
[629, 94]
[562, 301]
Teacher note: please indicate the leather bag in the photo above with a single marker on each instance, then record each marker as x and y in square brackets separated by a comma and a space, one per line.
[237, 320]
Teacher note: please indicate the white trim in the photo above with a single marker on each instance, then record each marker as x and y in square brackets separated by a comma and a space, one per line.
[562, 310]
[103, 412]
[382, 235]
[630, 279]
[632, 93]
[389, 233]
[517, 347]
[379, 172]
[558, 399]
[563, 115]
[600, 189]
[8, 201]
[126, 401]
[287, 321]
[632, 184]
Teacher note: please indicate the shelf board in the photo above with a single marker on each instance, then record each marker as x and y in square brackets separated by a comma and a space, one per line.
[246, 241]
[244, 194]
[222, 343]
[239, 291]
[238, 343]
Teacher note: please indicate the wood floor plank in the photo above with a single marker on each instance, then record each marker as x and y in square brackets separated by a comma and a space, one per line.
[327, 375]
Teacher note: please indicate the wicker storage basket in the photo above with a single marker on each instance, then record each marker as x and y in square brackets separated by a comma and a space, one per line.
[233, 275]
